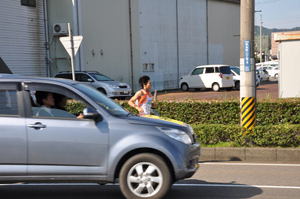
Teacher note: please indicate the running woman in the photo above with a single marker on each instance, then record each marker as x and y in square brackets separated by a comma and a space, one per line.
[143, 99]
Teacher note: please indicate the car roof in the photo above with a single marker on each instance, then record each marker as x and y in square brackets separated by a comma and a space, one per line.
[216, 65]
[20, 78]
[234, 67]
[68, 72]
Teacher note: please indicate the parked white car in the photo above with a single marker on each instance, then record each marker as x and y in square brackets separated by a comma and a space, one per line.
[271, 68]
[267, 64]
[263, 74]
[208, 76]
[235, 70]
[274, 72]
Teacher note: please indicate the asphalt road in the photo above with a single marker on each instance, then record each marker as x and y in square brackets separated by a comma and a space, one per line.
[212, 181]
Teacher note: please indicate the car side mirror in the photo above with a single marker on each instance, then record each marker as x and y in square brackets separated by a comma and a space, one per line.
[90, 80]
[90, 113]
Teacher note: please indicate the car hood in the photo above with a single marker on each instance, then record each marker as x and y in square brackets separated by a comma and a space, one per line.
[157, 121]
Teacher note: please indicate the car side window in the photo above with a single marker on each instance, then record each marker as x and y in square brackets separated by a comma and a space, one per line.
[65, 76]
[49, 101]
[198, 71]
[8, 102]
[209, 70]
[82, 77]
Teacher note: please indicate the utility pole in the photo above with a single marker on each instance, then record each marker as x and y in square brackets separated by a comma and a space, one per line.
[260, 35]
[247, 65]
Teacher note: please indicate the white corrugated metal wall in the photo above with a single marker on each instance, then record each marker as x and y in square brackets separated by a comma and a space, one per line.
[171, 47]
[22, 37]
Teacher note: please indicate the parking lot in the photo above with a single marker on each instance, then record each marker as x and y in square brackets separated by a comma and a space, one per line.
[268, 90]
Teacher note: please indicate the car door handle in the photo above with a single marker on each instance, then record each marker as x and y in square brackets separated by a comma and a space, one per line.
[37, 126]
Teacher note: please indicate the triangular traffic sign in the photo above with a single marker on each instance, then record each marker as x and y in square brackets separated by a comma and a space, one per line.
[66, 42]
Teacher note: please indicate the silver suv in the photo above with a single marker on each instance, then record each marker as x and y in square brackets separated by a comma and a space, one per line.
[57, 130]
[102, 83]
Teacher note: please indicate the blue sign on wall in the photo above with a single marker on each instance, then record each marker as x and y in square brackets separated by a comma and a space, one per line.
[247, 55]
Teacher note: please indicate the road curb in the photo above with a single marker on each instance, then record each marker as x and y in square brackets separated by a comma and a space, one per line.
[250, 154]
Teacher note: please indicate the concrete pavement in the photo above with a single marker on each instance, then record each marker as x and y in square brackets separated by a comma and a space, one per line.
[250, 154]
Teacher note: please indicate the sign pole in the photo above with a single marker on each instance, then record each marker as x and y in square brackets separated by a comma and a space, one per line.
[72, 51]
[247, 66]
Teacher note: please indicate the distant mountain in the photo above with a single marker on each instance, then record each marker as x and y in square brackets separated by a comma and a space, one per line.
[268, 31]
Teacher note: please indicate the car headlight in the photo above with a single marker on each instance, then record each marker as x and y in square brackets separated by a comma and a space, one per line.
[176, 134]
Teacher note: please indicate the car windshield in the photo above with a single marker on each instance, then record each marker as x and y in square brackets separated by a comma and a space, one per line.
[100, 77]
[236, 70]
[225, 70]
[103, 101]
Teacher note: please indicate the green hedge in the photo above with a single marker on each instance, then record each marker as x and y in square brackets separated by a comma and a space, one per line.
[228, 112]
[262, 136]
[218, 122]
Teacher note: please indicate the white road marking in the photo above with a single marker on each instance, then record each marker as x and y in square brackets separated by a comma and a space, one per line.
[248, 164]
[175, 185]
[237, 185]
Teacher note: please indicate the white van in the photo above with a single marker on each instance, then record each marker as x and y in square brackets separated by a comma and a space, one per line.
[208, 76]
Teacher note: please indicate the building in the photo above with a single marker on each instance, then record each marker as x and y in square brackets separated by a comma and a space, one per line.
[122, 39]
[162, 39]
[275, 43]
[224, 32]
[22, 36]
[289, 51]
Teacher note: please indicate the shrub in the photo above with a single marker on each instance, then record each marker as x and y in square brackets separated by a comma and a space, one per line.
[229, 112]
[218, 122]
[263, 136]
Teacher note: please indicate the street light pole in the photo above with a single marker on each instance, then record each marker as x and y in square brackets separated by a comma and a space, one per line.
[247, 66]
[260, 35]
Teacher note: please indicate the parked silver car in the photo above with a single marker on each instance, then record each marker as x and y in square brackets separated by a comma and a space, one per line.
[43, 140]
[235, 70]
[104, 84]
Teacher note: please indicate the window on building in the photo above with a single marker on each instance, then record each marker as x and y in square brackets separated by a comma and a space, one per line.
[30, 3]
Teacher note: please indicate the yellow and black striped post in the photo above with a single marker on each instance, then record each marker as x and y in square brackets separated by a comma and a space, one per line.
[247, 67]
[248, 112]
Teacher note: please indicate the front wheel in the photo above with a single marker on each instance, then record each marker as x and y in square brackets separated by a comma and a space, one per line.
[184, 87]
[145, 176]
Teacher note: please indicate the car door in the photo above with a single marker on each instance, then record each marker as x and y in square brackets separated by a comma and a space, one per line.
[195, 80]
[59, 144]
[13, 138]
[84, 78]
[209, 77]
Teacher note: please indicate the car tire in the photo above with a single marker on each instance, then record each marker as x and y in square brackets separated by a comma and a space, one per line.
[145, 176]
[216, 87]
[102, 91]
[237, 85]
[184, 87]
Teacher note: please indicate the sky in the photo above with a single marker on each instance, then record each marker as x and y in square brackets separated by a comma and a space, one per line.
[278, 13]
